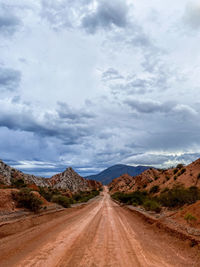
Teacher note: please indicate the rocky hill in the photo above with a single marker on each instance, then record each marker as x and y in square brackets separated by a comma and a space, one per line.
[107, 175]
[9, 174]
[72, 181]
[186, 175]
[68, 179]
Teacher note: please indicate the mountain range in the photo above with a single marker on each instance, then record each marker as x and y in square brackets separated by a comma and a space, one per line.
[161, 179]
[107, 175]
[67, 180]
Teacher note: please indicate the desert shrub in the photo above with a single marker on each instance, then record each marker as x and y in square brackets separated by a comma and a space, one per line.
[18, 183]
[165, 190]
[26, 199]
[179, 166]
[182, 171]
[155, 178]
[175, 171]
[145, 185]
[137, 197]
[175, 177]
[178, 196]
[85, 196]
[198, 176]
[152, 205]
[46, 193]
[167, 178]
[190, 218]
[61, 200]
[154, 189]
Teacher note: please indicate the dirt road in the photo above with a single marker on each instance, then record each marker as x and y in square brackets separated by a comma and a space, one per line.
[99, 234]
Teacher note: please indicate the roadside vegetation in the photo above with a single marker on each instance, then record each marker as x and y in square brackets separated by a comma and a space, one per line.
[25, 197]
[154, 200]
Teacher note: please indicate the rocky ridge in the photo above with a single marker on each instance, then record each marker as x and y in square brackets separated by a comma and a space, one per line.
[8, 174]
[186, 175]
[68, 180]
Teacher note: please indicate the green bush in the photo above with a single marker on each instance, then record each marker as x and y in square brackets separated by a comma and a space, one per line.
[179, 166]
[154, 189]
[182, 171]
[46, 193]
[152, 205]
[137, 197]
[165, 190]
[175, 171]
[61, 200]
[179, 196]
[18, 183]
[85, 196]
[190, 218]
[26, 199]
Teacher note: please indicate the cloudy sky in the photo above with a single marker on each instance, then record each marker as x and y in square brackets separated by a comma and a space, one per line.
[89, 84]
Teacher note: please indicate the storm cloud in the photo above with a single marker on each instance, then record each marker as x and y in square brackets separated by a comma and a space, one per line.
[9, 22]
[89, 84]
[106, 15]
[9, 79]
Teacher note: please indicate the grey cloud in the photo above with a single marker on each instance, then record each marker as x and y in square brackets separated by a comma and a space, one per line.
[66, 112]
[160, 160]
[107, 14]
[9, 79]
[47, 124]
[137, 86]
[9, 22]
[155, 77]
[141, 40]
[146, 106]
[65, 13]
[111, 74]
[192, 15]
[149, 106]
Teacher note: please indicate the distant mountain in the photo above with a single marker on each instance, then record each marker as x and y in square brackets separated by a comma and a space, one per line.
[115, 171]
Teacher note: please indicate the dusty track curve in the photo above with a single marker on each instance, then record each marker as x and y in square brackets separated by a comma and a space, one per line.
[100, 234]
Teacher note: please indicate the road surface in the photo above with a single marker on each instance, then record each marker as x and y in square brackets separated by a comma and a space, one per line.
[100, 234]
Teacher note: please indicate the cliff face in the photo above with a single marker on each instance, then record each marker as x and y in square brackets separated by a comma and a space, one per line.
[68, 180]
[185, 175]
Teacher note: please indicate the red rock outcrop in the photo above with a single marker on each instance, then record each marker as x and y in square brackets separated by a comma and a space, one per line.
[185, 175]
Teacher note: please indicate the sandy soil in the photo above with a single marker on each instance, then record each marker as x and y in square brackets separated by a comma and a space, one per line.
[100, 234]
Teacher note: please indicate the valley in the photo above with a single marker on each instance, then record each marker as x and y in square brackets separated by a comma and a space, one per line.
[100, 233]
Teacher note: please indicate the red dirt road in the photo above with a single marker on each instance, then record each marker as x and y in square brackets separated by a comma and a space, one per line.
[100, 234]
